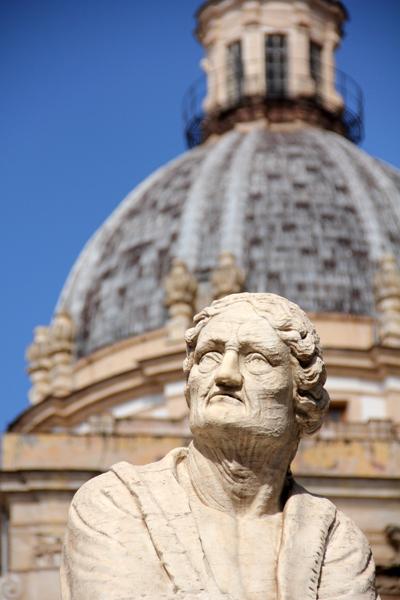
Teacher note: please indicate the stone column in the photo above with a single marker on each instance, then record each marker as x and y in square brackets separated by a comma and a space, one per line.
[220, 72]
[387, 299]
[253, 49]
[39, 363]
[180, 297]
[210, 99]
[328, 69]
[211, 70]
[300, 81]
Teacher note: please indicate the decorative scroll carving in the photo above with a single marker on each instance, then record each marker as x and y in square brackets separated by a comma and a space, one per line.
[387, 298]
[50, 358]
[39, 364]
[61, 345]
[180, 295]
[228, 277]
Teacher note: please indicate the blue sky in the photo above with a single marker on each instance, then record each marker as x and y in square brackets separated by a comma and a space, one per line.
[90, 105]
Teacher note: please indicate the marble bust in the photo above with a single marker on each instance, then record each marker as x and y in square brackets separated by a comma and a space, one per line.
[223, 518]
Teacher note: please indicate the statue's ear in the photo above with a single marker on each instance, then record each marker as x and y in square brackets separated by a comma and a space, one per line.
[187, 396]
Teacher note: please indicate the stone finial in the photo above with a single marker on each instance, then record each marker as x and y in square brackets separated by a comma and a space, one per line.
[228, 277]
[387, 299]
[61, 349]
[180, 296]
[39, 363]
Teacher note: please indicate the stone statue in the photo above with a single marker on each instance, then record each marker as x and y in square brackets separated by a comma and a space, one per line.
[223, 518]
[227, 278]
[180, 287]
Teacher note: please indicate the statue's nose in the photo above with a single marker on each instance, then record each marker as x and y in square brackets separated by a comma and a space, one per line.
[228, 373]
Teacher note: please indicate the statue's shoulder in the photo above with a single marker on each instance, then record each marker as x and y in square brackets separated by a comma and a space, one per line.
[299, 495]
[113, 489]
[339, 526]
[166, 464]
[347, 567]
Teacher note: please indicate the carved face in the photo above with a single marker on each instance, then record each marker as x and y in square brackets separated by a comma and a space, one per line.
[241, 377]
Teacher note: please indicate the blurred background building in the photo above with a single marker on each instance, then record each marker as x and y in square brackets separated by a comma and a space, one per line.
[272, 195]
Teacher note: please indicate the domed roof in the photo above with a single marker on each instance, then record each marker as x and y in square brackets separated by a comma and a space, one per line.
[306, 213]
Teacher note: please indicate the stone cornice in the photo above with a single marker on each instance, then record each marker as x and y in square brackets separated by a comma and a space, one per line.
[144, 364]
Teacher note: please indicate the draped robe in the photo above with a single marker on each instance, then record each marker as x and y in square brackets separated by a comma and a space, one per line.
[131, 534]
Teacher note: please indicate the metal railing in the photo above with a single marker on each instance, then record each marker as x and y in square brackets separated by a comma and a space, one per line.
[219, 93]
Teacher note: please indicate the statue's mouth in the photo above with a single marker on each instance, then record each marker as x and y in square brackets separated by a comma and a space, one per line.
[223, 396]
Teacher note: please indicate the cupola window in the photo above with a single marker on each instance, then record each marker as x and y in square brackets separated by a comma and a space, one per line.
[315, 63]
[266, 63]
[276, 64]
[234, 72]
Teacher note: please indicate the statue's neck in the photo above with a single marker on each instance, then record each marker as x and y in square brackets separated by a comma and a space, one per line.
[240, 482]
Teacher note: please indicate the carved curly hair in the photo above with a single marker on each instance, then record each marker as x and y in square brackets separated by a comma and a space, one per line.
[296, 330]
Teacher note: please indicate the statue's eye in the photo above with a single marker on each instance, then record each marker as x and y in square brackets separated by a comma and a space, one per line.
[209, 361]
[257, 363]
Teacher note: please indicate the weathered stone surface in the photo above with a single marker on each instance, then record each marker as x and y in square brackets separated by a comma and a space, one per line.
[180, 298]
[224, 518]
[387, 297]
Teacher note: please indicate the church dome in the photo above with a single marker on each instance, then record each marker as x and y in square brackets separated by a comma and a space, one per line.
[306, 213]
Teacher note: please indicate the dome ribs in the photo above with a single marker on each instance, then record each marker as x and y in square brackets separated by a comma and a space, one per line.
[202, 195]
[125, 255]
[211, 234]
[366, 210]
[384, 194]
[310, 223]
[236, 196]
[304, 212]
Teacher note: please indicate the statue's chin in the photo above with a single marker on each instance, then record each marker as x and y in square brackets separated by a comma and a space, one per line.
[235, 429]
